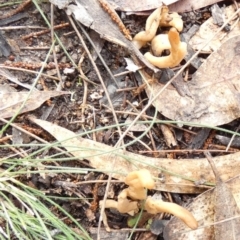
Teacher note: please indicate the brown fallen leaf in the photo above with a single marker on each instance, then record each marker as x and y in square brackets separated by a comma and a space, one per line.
[138, 5]
[208, 29]
[168, 136]
[225, 207]
[217, 204]
[189, 5]
[175, 172]
[214, 90]
[10, 102]
[11, 77]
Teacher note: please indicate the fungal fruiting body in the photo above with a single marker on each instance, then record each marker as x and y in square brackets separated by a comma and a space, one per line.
[157, 206]
[139, 182]
[161, 17]
[159, 44]
[178, 51]
[158, 17]
[176, 21]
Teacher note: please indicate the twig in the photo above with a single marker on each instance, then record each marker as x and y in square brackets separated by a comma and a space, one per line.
[36, 34]
[5, 138]
[59, 87]
[15, 11]
[15, 150]
[27, 70]
[85, 84]
[9, 28]
[190, 151]
[236, 5]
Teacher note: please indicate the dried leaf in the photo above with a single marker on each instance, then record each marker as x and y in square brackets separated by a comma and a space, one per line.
[98, 156]
[208, 29]
[139, 5]
[10, 102]
[203, 208]
[60, 3]
[80, 14]
[131, 66]
[5, 73]
[214, 90]
[225, 207]
[168, 136]
[189, 5]
[5, 49]
[119, 235]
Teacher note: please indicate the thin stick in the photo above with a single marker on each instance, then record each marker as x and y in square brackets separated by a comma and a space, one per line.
[53, 50]
[27, 70]
[20, 8]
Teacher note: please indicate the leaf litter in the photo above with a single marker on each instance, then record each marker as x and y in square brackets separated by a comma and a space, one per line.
[176, 172]
[213, 92]
[211, 209]
[97, 155]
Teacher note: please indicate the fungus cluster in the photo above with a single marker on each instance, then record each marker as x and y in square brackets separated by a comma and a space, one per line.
[130, 200]
[169, 41]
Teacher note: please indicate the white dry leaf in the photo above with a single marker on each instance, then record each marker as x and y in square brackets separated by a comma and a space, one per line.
[60, 3]
[11, 102]
[95, 96]
[138, 5]
[168, 136]
[80, 14]
[67, 71]
[131, 66]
